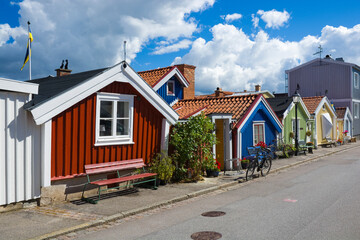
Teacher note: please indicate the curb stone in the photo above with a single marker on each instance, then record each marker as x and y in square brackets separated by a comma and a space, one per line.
[132, 212]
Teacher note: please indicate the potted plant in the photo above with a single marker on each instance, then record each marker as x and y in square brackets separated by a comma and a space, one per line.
[162, 165]
[245, 163]
[261, 144]
[212, 167]
[339, 141]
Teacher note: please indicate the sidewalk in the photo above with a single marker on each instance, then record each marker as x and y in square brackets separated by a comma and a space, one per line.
[49, 222]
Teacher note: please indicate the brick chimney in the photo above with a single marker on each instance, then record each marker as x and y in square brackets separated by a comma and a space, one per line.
[257, 88]
[219, 92]
[63, 71]
[189, 73]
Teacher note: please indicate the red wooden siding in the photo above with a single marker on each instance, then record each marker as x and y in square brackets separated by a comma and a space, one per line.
[73, 135]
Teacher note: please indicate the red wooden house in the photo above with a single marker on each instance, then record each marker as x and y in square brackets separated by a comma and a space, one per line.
[98, 116]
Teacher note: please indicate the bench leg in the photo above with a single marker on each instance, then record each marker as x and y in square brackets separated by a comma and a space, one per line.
[155, 187]
[82, 195]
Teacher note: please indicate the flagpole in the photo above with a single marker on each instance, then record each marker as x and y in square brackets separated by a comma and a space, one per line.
[29, 42]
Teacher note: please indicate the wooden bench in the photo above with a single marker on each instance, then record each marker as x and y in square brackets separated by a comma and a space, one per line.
[116, 167]
[329, 142]
[302, 147]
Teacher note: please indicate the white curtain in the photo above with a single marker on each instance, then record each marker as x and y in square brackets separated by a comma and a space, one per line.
[326, 125]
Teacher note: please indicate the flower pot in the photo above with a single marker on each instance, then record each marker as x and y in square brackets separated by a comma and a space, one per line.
[163, 182]
[212, 173]
[244, 165]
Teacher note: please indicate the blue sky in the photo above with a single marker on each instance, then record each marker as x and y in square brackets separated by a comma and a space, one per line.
[221, 38]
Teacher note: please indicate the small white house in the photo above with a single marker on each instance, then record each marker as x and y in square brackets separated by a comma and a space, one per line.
[20, 138]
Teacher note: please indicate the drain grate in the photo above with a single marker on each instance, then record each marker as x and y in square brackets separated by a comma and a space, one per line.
[207, 235]
[213, 214]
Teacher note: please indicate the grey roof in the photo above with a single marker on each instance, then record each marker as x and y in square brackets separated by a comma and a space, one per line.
[280, 104]
[50, 86]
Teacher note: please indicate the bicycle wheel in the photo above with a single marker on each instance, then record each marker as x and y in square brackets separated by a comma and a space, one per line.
[250, 171]
[266, 166]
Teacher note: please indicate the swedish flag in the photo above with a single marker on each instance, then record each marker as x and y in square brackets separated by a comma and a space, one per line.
[28, 49]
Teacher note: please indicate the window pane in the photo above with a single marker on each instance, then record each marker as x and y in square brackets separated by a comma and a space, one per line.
[261, 133]
[105, 109]
[170, 87]
[122, 109]
[105, 127]
[122, 127]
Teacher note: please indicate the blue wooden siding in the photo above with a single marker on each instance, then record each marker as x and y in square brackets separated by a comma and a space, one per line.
[271, 128]
[162, 91]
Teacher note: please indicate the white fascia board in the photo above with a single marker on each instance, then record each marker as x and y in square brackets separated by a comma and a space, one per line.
[304, 108]
[287, 111]
[326, 101]
[272, 113]
[149, 93]
[63, 101]
[348, 114]
[18, 86]
[169, 75]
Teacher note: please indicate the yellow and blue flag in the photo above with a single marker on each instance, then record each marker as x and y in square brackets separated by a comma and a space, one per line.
[28, 49]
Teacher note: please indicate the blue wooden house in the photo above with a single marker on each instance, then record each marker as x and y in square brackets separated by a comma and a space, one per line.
[240, 122]
[172, 83]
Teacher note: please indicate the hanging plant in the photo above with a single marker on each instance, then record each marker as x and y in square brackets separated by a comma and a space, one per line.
[291, 135]
[308, 133]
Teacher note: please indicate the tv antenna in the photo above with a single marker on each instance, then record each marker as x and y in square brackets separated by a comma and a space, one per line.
[125, 51]
[319, 52]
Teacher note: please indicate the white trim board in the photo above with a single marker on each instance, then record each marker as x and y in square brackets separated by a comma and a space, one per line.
[18, 86]
[174, 72]
[50, 108]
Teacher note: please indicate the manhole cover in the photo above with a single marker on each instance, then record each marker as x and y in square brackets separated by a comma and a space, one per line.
[213, 214]
[207, 235]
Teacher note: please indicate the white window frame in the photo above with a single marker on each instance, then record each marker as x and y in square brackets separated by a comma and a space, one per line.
[262, 123]
[293, 127]
[114, 139]
[356, 80]
[167, 88]
[356, 110]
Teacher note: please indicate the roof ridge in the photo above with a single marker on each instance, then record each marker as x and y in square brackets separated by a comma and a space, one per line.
[153, 70]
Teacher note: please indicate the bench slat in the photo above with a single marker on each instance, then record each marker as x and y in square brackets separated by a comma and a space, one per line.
[122, 179]
[108, 164]
[114, 168]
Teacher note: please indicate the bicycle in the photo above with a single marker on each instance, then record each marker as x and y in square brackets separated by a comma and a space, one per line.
[261, 160]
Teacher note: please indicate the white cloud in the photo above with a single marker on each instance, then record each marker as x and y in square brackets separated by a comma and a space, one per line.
[91, 33]
[6, 32]
[232, 17]
[273, 18]
[235, 61]
[172, 48]
[255, 20]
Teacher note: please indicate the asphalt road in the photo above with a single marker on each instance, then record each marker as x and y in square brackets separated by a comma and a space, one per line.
[319, 200]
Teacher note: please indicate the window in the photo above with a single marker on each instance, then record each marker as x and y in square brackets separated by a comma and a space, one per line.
[356, 80]
[356, 110]
[171, 88]
[258, 132]
[114, 118]
[294, 128]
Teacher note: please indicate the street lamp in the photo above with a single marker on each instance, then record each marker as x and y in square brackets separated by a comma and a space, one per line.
[296, 100]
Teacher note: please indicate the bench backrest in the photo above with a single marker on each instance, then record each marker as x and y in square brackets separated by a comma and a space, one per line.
[114, 166]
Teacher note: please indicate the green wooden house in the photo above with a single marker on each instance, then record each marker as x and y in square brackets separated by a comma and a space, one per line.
[284, 107]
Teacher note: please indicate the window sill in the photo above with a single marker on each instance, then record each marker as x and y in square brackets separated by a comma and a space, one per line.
[171, 94]
[109, 142]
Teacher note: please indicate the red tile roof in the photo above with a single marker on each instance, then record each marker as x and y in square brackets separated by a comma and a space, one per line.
[312, 103]
[153, 76]
[236, 105]
[226, 93]
[340, 112]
